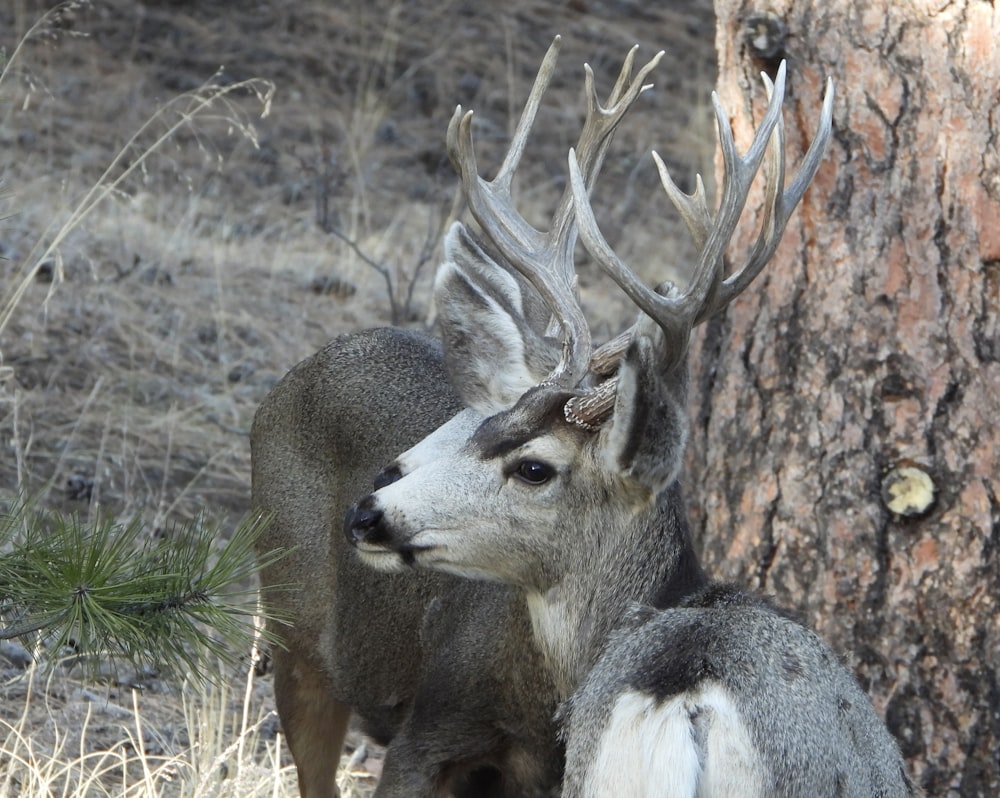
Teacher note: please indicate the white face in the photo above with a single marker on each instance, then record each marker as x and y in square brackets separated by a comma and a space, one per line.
[508, 499]
[445, 440]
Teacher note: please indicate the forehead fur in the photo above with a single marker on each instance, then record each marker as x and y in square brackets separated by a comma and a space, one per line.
[538, 412]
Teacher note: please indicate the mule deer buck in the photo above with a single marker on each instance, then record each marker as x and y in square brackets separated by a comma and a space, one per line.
[474, 590]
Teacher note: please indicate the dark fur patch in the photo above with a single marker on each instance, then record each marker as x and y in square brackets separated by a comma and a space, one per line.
[535, 414]
[687, 661]
[686, 576]
[720, 595]
[791, 665]
[693, 650]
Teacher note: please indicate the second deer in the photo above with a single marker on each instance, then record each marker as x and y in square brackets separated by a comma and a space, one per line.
[516, 543]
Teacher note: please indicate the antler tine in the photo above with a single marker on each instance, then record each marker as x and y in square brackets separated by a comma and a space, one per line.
[463, 157]
[544, 259]
[595, 138]
[707, 281]
[523, 246]
[693, 207]
[779, 205]
[601, 251]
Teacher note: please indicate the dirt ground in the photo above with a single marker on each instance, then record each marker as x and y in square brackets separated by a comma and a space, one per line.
[169, 252]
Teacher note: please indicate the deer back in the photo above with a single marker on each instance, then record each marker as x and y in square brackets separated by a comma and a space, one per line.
[317, 441]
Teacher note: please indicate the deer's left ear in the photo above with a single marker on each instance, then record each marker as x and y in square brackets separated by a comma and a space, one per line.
[644, 439]
[493, 348]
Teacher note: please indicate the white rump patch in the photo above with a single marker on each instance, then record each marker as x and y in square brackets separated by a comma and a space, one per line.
[694, 745]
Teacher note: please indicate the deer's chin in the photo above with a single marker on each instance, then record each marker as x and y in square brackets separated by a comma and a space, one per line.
[393, 560]
[385, 560]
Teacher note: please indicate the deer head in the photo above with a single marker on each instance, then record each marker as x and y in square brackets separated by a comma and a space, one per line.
[562, 446]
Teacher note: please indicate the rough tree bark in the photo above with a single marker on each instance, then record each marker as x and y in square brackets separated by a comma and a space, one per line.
[865, 359]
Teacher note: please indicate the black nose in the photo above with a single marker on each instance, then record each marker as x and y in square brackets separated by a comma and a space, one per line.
[363, 522]
[387, 476]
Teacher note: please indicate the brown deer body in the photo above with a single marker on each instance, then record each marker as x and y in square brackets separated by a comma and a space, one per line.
[474, 590]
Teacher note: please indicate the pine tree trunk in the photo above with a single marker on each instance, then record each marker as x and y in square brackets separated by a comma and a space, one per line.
[862, 369]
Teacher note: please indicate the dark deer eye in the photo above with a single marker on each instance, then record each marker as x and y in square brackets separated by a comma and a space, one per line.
[533, 472]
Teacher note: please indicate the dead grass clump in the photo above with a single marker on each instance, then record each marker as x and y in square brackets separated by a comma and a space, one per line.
[67, 738]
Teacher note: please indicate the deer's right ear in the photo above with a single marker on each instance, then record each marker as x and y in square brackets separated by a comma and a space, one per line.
[645, 437]
[493, 351]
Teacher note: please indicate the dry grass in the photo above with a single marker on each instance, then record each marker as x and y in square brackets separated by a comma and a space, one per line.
[71, 739]
[167, 259]
[145, 321]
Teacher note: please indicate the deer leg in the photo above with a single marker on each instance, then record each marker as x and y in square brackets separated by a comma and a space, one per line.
[314, 723]
[478, 777]
[434, 755]
[461, 754]
[407, 776]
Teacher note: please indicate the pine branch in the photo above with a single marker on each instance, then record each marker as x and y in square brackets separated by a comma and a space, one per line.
[178, 600]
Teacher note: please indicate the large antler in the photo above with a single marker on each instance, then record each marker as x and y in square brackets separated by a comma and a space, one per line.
[546, 259]
[709, 290]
